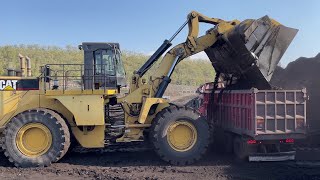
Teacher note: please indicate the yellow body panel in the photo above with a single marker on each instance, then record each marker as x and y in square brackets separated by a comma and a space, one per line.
[146, 107]
[90, 139]
[87, 109]
[81, 92]
[14, 102]
[14, 77]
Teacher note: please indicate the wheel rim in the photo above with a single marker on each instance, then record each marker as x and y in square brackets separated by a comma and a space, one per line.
[34, 139]
[182, 136]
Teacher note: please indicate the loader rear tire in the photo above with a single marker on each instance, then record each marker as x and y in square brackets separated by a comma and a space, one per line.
[36, 138]
[180, 136]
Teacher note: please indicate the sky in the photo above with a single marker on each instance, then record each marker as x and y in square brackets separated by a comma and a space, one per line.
[142, 25]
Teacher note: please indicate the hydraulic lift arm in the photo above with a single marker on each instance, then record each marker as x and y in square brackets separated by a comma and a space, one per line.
[193, 45]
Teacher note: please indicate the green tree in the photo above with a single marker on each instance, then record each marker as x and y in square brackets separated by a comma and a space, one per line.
[188, 72]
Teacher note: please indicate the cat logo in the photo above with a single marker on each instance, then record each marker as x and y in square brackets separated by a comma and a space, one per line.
[8, 85]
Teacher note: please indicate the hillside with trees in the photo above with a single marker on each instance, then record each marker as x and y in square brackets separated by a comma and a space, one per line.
[188, 72]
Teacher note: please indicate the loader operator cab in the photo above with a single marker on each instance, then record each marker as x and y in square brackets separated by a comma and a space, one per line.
[103, 67]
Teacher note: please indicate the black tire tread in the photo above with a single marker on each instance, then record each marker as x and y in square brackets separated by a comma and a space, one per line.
[65, 130]
[57, 150]
[161, 118]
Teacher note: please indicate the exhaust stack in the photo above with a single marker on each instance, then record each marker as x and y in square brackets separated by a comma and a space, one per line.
[29, 74]
[22, 65]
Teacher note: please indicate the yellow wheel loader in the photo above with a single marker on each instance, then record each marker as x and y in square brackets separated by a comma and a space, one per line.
[39, 116]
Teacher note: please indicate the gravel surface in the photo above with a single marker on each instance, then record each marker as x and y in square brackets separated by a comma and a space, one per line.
[146, 165]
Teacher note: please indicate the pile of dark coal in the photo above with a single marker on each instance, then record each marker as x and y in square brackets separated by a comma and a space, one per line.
[303, 73]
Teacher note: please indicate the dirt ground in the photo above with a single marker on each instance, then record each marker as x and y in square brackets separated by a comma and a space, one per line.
[146, 165]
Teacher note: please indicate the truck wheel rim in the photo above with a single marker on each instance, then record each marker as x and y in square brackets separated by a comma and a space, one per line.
[34, 139]
[182, 136]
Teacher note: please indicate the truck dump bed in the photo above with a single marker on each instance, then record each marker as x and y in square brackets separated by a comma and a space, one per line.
[260, 114]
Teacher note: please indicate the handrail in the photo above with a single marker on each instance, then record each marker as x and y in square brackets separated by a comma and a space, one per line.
[77, 76]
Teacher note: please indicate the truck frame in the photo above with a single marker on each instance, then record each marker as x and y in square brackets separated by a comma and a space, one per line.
[261, 125]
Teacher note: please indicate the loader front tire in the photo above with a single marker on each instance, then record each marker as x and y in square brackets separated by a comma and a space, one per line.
[179, 135]
[36, 138]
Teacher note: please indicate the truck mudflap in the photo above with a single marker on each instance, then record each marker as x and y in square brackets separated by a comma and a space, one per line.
[280, 156]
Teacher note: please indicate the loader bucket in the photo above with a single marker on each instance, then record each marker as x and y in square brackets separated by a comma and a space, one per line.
[251, 51]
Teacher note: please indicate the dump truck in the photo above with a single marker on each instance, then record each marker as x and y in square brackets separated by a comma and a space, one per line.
[256, 125]
[83, 103]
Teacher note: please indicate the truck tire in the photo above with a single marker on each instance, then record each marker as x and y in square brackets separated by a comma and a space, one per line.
[179, 136]
[36, 138]
[240, 149]
[228, 144]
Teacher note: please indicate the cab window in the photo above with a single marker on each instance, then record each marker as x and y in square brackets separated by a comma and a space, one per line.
[104, 62]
